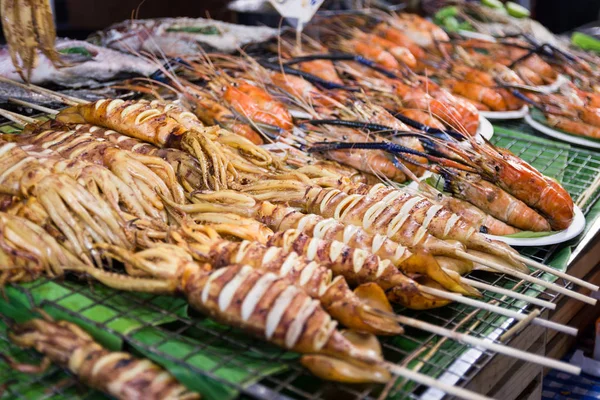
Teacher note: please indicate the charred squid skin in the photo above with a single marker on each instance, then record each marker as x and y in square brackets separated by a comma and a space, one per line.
[358, 267]
[267, 306]
[116, 373]
[314, 279]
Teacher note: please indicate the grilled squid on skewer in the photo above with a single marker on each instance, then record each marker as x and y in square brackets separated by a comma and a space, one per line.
[349, 308]
[81, 217]
[27, 251]
[281, 218]
[436, 219]
[168, 126]
[117, 374]
[258, 302]
[359, 266]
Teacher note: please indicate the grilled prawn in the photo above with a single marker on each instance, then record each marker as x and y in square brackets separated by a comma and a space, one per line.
[117, 374]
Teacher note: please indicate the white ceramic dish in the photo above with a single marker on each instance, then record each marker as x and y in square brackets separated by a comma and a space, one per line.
[576, 227]
[486, 129]
[516, 114]
[579, 140]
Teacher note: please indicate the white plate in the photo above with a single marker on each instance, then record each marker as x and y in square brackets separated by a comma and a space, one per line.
[485, 129]
[580, 140]
[576, 227]
[554, 86]
[516, 114]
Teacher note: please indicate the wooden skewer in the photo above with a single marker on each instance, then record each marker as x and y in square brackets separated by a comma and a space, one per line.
[520, 325]
[507, 292]
[434, 383]
[553, 271]
[481, 343]
[525, 277]
[63, 98]
[496, 309]
[16, 118]
[33, 106]
[585, 196]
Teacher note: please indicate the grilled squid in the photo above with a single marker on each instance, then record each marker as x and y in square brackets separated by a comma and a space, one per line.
[435, 218]
[82, 218]
[281, 218]
[358, 267]
[258, 302]
[27, 251]
[349, 308]
[168, 126]
[117, 374]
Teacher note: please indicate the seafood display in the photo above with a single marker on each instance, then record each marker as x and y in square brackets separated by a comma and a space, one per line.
[181, 36]
[82, 65]
[265, 189]
[118, 374]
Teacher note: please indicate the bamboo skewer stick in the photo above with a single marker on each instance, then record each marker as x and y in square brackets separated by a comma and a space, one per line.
[507, 292]
[532, 279]
[33, 106]
[16, 118]
[434, 383]
[481, 343]
[520, 325]
[585, 196]
[553, 271]
[498, 310]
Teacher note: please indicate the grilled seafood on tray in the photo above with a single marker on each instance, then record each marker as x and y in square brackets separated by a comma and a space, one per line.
[251, 186]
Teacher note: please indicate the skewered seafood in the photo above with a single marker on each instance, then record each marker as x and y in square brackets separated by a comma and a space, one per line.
[359, 266]
[526, 183]
[258, 302]
[284, 219]
[81, 217]
[388, 211]
[135, 179]
[27, 251]
[314, 277]
[169, 126]
[494, 201]
[115, 373]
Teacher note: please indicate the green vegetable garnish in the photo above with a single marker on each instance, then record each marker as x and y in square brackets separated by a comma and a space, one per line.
[586, 42]
[204, 30]
[449, 11]
[492, 3]
[451, 24]
[465, 26]
[76, 50]
[517, 10]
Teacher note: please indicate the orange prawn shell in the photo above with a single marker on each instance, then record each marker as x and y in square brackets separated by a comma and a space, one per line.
[256, 104]
[527, 184]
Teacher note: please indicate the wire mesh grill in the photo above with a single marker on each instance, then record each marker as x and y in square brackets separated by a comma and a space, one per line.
[271, 373]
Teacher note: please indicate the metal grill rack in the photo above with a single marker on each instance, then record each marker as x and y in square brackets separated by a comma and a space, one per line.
[268, 372]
